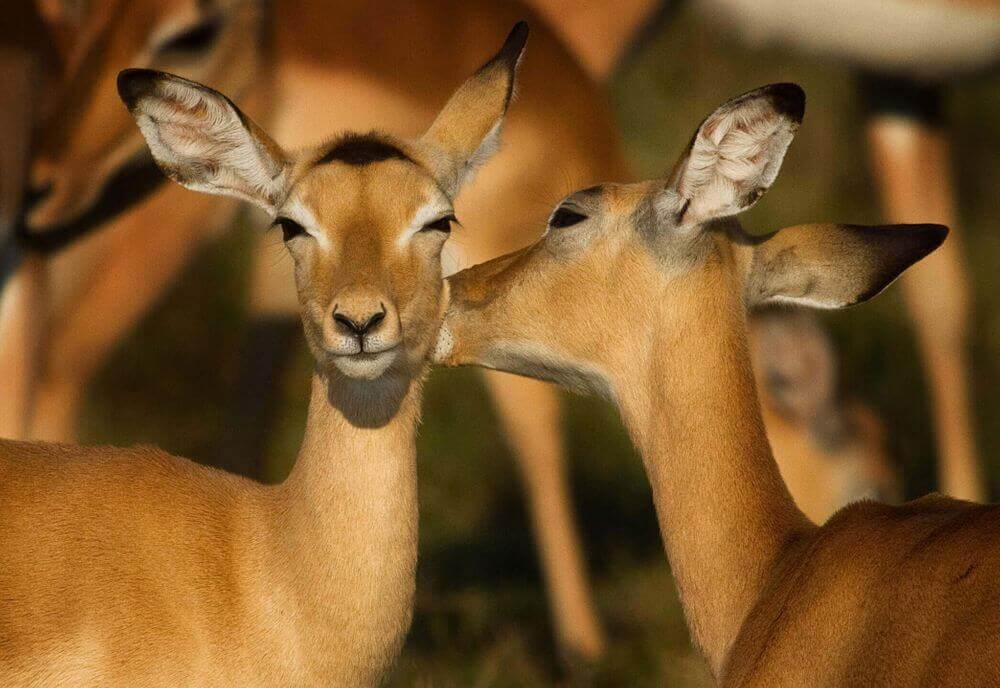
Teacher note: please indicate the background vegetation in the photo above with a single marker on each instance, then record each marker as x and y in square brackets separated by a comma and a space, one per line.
[481, 612]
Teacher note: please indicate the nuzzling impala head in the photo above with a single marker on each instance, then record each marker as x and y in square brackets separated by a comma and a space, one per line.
[364, 217]
[625, 272]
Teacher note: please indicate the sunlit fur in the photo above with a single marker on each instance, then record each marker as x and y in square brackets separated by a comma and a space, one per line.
[131, 567]
[306, 71]
[879, 595]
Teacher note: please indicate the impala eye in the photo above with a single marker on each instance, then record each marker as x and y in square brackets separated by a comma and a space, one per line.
[193, 39]
[289, 228]
[442, 224]
[564, 217]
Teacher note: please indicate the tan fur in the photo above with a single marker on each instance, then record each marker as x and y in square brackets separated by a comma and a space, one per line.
[131, 567]
[626, 302]
[327, 67]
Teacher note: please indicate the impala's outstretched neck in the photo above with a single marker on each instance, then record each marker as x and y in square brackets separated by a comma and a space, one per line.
[348, 513]
[725, 515]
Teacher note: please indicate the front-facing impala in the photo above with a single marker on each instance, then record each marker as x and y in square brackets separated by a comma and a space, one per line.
[130, 567]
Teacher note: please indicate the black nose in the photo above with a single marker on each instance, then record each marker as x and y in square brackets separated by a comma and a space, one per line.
[359, 327]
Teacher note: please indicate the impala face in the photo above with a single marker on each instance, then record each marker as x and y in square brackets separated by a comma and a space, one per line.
[364, 217]
[624, 270]
[89, 140]
[365, 225]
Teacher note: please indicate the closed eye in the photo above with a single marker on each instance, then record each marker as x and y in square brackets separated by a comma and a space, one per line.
[442, 224]
[564, 217]
[289, 228]
[193, 39]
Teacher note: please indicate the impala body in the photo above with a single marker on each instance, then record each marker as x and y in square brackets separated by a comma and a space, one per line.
[641, 292]
[131, 567]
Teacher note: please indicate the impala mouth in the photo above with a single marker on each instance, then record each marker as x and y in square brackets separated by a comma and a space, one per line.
[366, 365]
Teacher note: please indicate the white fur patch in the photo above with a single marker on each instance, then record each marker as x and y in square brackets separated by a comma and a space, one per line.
[295, 209]
[538, 361]
[432, 209]
[736, 152]
[444, 346]
[487, 148]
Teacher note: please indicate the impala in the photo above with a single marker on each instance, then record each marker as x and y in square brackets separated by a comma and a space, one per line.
[136, 568]
[640, 292]
[356, 65]
[908, 53]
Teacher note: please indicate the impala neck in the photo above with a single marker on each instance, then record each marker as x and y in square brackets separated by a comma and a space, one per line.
[724, 512]
[351, 515]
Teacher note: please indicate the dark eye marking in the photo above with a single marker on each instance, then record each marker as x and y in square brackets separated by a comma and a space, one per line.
[564, 217]
[289, 228]
[196, 38]
[442, 224]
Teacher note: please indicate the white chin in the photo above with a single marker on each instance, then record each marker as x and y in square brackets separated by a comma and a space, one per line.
[365, 366]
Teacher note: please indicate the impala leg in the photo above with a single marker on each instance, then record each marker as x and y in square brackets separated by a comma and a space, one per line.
[21, 346]
[910, 159]
[22, 298]
[529, 415]
[144, 253]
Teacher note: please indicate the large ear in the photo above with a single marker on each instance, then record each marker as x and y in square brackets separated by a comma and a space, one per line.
[832, 266]
[467, 131]
[735, 155]
[202, 141]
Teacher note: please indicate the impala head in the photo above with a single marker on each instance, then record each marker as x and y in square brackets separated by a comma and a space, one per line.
[89, 146]
[364, 216]
[628, 271]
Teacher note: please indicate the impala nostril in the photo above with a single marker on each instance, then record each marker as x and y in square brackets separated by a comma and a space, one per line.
[347, 324]
[374, 321]
[358, 327]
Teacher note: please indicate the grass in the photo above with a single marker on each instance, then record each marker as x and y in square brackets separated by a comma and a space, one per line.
[481, 618]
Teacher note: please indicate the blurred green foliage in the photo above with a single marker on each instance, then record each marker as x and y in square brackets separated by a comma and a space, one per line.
[481, 616]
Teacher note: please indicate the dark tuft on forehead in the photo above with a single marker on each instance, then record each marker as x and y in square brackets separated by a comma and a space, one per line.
[362, 149]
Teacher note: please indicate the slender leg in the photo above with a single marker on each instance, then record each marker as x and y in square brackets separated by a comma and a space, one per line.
[912, 172]
[21, 341]
[529, 414]
[22, 298]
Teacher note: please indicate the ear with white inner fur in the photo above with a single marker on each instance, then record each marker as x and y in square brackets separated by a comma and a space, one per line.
[202, 141]
[467, 130]
[734, 156]
[832, 266]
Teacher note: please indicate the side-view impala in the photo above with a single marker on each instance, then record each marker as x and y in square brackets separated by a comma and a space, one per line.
[131, 567]
[640, 292]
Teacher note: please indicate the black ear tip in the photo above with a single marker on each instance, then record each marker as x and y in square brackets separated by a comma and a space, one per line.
[788, 99]
[133, 84]
[931, 236]
[514, 45]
